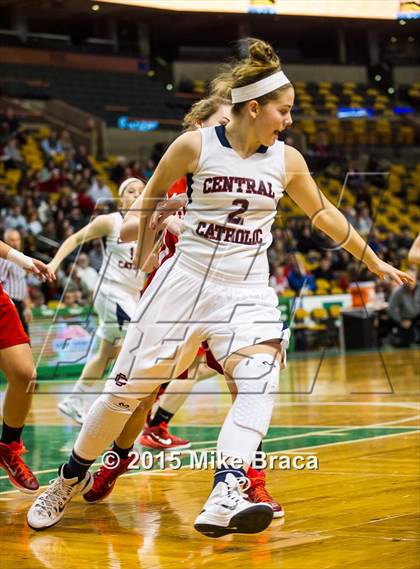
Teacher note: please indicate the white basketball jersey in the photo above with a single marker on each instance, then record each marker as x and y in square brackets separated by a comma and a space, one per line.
[117, 264]
[232, 207]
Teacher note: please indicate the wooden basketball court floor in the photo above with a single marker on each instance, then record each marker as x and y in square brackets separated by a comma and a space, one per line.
[359, 414]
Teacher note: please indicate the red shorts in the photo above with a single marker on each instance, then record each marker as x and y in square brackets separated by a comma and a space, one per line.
[11, 329]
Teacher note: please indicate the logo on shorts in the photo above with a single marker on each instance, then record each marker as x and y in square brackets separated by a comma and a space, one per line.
[120, 379]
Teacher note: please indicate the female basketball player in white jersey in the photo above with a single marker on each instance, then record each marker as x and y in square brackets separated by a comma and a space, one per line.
[216, 289]
[213, 111]
[115, 298]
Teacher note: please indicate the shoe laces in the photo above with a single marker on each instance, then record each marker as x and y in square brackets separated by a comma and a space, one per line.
[236, 492]
[164, 429]
[258, 488]
[55, 496]
[105, 475]
[17, 463]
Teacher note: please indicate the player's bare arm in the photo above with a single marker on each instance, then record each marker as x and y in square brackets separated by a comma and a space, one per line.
[28, 263]
[303, 190]
[180, 158]
[99, 227]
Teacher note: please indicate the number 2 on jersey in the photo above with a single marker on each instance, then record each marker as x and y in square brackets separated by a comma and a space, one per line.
[235, 216]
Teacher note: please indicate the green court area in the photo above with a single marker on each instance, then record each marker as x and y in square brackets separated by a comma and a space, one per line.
[49, 446]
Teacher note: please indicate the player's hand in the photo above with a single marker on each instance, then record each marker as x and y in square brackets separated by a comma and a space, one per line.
[406, 324]
[28, 315]
[151, 263]
[386, 271]
[174, 224]
[42, 271]
[166, 208]
[52, 268]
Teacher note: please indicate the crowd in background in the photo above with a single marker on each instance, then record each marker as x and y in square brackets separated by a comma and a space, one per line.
[60, 198]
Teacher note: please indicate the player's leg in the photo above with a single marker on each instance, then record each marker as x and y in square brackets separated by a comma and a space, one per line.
[156, 434]
[155, 350]
[104, 479]
[114, 309]
[255, 373]
[16, 362]
[78, 402]
[257, 491]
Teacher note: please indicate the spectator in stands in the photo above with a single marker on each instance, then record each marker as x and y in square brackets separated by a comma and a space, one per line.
[324, 271]
[72, 281]
[52, 145]
[34, 225]
[70, 298]
[95, 254]
[66, 143]
[76, 219]
[81, 158]
[136, 171]
[87, 274]
[298, 276]
[405, 239]
[38, 299]
[118, 171]
[99, 191]
[10, 119]
[375, 242]
[305, 241]
[15, 219]
[363, 222]
[391, 242]
[11, 157]
[4, 198]
[149, 169]
[404, 311]
[43, 207]
[349, 213]
[278, 281]
[84, 201]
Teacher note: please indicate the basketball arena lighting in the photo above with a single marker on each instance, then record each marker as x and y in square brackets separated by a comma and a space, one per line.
[389, 9]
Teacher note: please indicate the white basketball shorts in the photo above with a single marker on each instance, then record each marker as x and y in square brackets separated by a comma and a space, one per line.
[178, 311]
[115, 307]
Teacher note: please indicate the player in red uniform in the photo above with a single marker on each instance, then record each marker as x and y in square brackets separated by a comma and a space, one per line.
[16, 363]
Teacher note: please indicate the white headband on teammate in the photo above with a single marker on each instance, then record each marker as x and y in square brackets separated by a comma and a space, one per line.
[126, 183]
[259, 88]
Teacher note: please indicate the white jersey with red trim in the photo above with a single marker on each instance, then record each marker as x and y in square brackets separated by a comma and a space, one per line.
[117, 264]
[233, 202]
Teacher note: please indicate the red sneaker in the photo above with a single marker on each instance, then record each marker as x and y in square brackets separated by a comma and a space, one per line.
[257, 492]
[104, 481]
[19, 473]
[160, 438]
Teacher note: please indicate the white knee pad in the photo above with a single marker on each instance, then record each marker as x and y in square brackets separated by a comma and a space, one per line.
[104, 422]
[257, 380]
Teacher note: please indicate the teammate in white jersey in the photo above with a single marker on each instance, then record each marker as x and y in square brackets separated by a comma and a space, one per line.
[115, 298]
[237, 176]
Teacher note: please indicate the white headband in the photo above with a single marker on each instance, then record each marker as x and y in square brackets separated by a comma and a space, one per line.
[259, 88]
[126, 183]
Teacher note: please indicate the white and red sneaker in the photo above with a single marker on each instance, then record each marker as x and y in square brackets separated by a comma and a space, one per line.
[258, 493]
[159, 438]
